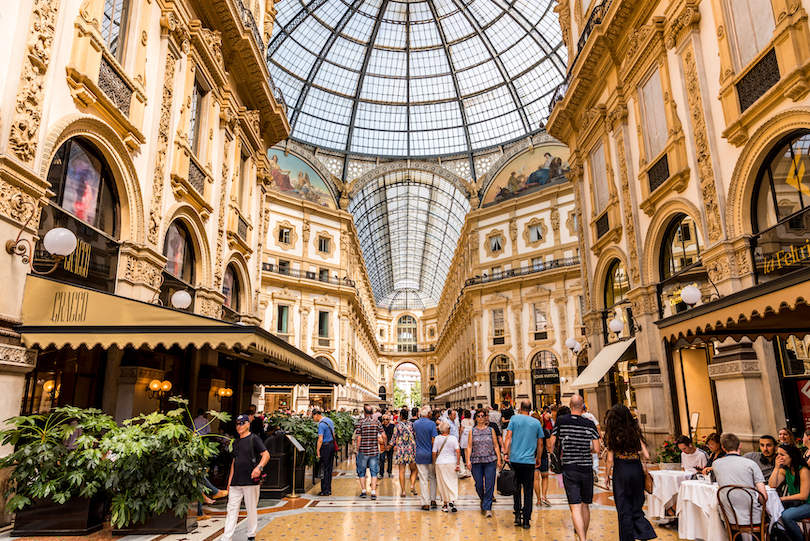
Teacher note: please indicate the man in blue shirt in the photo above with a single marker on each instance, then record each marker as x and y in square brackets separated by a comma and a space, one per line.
[524, 449]
[326, 450]
[425, 431]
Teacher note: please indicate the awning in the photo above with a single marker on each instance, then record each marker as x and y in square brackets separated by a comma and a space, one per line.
[59, 314]
[775, 308]
[604, 360]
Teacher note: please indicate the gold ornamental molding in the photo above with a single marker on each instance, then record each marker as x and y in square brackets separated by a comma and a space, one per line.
[162, 149]
[682, 18]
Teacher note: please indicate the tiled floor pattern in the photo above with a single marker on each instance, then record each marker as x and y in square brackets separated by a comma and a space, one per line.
[345, 517]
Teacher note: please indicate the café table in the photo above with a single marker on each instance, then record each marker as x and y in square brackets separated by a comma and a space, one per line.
[665, 490]
[699, 512]
[774, 506]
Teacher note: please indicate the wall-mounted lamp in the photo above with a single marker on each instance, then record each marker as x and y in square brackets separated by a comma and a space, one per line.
[60, 242]
[475, 383]
[180, 299]
[224, 392]
[691, 295]
[563, 380]
[517, 382]
[157, 389]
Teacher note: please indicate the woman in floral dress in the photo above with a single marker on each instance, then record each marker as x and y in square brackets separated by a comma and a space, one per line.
[404, 443]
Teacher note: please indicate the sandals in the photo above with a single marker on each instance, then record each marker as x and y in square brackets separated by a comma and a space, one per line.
[403, 494]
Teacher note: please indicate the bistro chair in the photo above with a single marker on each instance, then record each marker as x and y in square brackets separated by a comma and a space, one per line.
[733, 499]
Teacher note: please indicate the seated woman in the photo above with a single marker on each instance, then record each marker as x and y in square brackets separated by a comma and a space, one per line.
[793, 471]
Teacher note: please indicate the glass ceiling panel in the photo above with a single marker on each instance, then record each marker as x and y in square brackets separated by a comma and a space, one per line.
[415, 61]
[409, 224]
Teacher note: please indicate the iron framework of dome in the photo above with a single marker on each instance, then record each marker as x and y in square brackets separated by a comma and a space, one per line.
[415, 78]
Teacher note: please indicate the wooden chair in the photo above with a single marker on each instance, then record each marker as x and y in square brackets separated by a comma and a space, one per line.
[744, 498]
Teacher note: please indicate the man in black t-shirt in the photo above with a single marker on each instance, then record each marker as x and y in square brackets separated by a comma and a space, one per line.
[506, 413]
[577, 434]
[249, 457]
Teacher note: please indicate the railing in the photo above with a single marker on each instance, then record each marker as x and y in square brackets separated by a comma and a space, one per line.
[602, 226]
[523, 271]
[407, 348]
[250, 24]
[114, 86]
[658, 173]
[242, 228]
[196, 177]
[597, 15]
[759, 79]
[308, 275]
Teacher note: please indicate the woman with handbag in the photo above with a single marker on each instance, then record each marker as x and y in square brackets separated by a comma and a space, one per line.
[446, 454]
[483, 459]
[626, 452]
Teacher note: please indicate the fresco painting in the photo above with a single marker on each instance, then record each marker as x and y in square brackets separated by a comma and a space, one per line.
[292, 176]
[529, 172]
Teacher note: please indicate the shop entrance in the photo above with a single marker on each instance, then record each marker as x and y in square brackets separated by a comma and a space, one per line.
[545, 379]
[501, 381]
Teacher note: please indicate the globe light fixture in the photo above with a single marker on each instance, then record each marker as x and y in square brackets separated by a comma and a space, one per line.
[59, 242]
[517, 382]
[616, 325]
[691, 295]
[563, 380]
[571, 343]
[48, 386]
[181, 299]
[578, 348]
[157, 389]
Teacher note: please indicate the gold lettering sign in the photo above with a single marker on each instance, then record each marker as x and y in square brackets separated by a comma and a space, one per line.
[70, 306]
[79, 261]
[785, 259]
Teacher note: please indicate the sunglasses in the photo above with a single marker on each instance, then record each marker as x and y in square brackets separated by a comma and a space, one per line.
[480, 415]
[241, 423]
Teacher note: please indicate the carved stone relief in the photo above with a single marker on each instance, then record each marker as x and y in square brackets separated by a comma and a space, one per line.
[221, 215]
[155, 211]
[629, 219]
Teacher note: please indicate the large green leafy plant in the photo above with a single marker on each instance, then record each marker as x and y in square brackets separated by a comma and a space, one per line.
[156, 464]
[44, 467]
[302, 428]
[344, 426]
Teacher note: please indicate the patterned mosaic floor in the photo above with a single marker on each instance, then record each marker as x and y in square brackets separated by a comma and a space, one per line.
[345, 517]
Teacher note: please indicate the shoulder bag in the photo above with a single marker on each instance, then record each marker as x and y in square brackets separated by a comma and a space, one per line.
[442, 446]
[555, 458]
[648, 479]
[507, 481]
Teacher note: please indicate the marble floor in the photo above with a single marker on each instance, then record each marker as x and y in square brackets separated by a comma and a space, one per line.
[345, 517]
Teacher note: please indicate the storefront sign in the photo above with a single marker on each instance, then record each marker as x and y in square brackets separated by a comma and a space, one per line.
[675, 296]
[803, 386]
[79, 261]
[785, 259]
[70, 306]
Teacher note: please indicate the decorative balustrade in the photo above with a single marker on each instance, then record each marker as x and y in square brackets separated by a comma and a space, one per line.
[308, 275]
[523, 271]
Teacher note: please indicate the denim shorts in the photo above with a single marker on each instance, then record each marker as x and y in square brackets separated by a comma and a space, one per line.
[370, 462]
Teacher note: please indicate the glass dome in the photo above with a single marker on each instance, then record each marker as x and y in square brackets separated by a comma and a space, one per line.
[415, 78]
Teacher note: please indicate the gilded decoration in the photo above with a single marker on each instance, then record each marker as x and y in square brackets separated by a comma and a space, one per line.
[221, 214]
[705, 170]
[563, 10]
[544, 231]
[155, 211]
[517, 308]
[28, 110]
[678, 28]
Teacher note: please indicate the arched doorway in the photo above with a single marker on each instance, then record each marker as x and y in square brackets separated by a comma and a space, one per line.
[545, 379]
[501, 380]
[407, 386]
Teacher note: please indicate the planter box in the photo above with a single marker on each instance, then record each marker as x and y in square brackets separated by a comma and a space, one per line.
[164, 523]
[77, 516]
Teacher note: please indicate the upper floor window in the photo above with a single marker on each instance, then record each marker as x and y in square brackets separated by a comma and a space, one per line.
[282, 317]
[497, 322]
[616, 285]
[179, 252]
[540, 323]
[324, 244]
[535, 233]
[654, 116]
[681, 246]
[198, 93]
[495, 243]
[782, 191]
[84, 185]
[284, 235]
[323, 324]
[433, 371]
[752, 26]
[382, 371]
[230, 288]
[406, 330]
[500, 364]
[601, 194]
[113, 26]
[242, 181]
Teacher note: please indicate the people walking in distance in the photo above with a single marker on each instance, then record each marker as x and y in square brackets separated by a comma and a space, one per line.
[249, 457]
[484, 459]
[464, 434]
[524, 442]
[626, 449]
[325, 449]
[446, 454]
[387, 453]
[541, 471]
[369, 434]
[404, 444]
[495, 415]
[425, 431]
[577, 435]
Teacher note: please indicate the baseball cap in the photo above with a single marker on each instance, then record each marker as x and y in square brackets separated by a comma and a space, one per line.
[242, 419]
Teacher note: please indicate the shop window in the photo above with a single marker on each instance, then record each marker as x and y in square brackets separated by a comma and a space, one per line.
[113, 26]
[284, 235]
[406, 333]
[180, 261]
[654, 116]
[282, 319]
[63, 377]
[198, 93]
[324, 245]
[782, 191]
[752, 26]
[535, 233]
[601, 194]
[230, 288]
[617, 284]
[84, 185]
[681, 246]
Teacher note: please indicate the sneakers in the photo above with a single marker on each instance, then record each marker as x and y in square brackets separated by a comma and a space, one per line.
[220, 494]
[444, 508]
[488, 514]
[373, 496]
[203, 517]
[363, 494]
[453, 507]
[433, 505]
[545, 502]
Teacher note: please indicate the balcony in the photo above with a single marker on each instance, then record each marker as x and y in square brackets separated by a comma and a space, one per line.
[524, 271]
[407, 348]
[308, 275]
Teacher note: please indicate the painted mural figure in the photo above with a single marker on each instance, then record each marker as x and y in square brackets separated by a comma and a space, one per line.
[293, 177]
[280, 178]
[525, 174]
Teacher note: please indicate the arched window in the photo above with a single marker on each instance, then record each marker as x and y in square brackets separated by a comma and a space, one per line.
[179, 252]
[406, 333]
[616, 285]
[500, 364]
[324, 361]
[230, 288]
[84, 185]
[681, 246]
[432, 392]
[782, 190]
[544, 360]
[381, 392]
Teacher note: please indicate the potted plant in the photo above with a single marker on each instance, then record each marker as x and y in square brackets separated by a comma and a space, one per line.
[56, 483]
[344, 430]
[156, 467]
[669, 456]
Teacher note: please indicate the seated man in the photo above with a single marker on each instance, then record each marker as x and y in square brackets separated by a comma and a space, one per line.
[766, 456]
[692, 458]
[732, 469]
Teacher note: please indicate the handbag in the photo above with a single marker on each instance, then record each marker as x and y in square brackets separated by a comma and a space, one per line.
[555, 458]
[648, 479]
[254, 461]
[507, 481]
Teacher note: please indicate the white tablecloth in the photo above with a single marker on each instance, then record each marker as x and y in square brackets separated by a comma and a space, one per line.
[774, 505]
[665, 490]
[699, 512]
